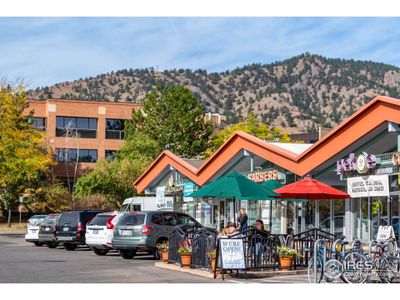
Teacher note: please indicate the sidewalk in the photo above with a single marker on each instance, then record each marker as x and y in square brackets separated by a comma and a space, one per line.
[250, 274]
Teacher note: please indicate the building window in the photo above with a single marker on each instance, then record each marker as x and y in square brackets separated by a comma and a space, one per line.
[84, 127]
[115, 129]
[72, 155]
[110, 154]
[38, 123]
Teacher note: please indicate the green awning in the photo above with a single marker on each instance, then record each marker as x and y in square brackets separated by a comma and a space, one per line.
[235, 186]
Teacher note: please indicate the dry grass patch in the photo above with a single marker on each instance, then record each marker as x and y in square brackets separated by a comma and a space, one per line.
[14, 227]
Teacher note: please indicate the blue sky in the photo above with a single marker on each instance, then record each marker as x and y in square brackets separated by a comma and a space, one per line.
[44, 51]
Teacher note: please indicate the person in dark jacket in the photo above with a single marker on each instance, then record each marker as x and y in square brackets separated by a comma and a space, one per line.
[242, 220]
[258, 240]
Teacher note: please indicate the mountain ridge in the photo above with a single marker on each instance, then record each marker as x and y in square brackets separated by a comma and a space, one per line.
[297, 94]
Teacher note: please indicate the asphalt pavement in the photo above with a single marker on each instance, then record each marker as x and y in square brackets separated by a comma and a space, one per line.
[22, 262]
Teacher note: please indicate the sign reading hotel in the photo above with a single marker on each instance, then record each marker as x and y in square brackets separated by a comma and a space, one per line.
[232, 254]
[368, 186]
[262, 176]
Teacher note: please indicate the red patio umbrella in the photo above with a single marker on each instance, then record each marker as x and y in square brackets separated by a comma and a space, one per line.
[311, 189]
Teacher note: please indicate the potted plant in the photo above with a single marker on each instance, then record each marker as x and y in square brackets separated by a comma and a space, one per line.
[286, 256]
[212, 255]
[185, 250]
[163, 248]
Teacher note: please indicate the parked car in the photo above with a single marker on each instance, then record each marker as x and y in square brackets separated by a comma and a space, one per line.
[100, 231]
[71, 227]
[47, 231]
[141, 231]
[32, 229]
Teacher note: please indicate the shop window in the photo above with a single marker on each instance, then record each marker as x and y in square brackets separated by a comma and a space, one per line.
[73, 155]
[83, 127]
[115, 129]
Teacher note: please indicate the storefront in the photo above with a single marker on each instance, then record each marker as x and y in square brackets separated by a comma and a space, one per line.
[373, 184]
[332, 160]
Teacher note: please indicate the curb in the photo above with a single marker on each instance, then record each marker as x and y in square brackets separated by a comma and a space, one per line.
[12, 233]
[208, 274]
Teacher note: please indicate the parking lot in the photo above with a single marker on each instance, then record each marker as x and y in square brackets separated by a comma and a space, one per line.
[23, 262]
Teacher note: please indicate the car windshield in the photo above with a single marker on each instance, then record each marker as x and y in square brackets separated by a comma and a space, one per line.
[68, 218]
[136, 219]
[100, 220]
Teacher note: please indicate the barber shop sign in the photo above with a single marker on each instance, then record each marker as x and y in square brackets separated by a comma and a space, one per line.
[360, 163]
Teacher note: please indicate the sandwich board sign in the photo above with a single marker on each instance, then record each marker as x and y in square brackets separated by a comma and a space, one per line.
[232, 254]
[385, 233]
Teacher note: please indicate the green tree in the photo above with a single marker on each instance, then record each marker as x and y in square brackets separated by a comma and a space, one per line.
[174, 118]
[249, 125]
[23, 155]
[113, 180]
[49, 197]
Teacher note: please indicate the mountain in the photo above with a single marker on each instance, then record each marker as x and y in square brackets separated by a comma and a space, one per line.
[297, 94]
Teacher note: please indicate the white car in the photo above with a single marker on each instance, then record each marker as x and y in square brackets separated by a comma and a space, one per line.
[32, 229]
[100, 232]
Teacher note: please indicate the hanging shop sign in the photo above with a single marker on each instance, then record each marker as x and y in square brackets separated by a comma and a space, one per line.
[368, 186]
[360, 163]
[232, 254]
[163, 203]
[173, 186]
[188, 188]
[262, 176]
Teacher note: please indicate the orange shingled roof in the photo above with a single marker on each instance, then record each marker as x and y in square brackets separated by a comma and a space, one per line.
[367, 118]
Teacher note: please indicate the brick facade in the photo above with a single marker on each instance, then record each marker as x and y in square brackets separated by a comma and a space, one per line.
[51, 108]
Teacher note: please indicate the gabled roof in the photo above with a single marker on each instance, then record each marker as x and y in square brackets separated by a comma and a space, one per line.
[367, 118]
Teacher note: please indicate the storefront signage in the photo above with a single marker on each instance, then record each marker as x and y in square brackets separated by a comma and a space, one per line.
[161, 202]
[386, 170]
[385, 233]
[188, 188]
[263, 176]
[173, 186]
[368, 186]
[232, 254]
[361, 163]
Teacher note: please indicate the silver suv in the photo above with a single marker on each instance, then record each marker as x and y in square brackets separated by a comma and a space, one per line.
[141, 231]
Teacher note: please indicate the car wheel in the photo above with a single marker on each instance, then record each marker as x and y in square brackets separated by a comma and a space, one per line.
[127, 254]
[52, 245]
[100, 251]
[38, 244]
[70, 247]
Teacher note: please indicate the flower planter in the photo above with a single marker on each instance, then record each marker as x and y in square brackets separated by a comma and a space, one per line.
[185, 260]
[286, 262]
[164, 256]
[212, 264]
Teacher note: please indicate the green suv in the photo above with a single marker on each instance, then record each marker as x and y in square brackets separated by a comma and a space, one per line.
[141, 231]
